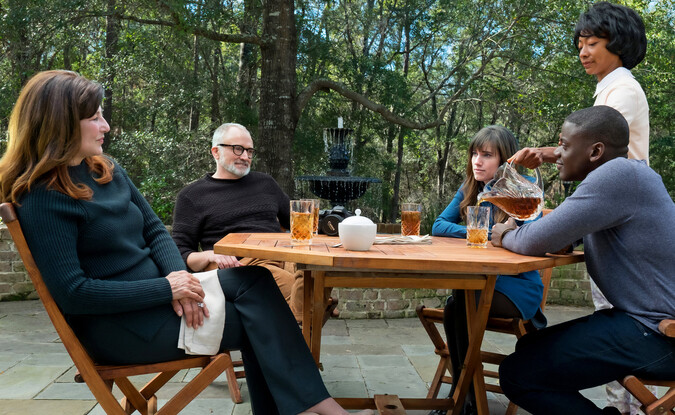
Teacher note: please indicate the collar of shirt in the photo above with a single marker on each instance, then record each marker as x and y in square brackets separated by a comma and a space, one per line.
[611, 77]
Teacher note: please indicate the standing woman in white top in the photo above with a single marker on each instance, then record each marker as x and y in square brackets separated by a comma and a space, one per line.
[611, 41]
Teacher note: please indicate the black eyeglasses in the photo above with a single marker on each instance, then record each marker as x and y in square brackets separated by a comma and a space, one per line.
[239, 150]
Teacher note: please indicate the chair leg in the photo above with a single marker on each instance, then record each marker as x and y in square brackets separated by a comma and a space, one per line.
[638, 390]
[232, 384]
[436, 382]
[511, 409]
[663, 405]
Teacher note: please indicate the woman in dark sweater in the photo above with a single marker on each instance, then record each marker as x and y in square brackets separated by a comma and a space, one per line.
[114, 270]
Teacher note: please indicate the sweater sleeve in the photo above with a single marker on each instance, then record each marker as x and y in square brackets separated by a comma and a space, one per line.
[163, 250]
[51, 222]
[186, 230]
[447, 223]
[599, 202]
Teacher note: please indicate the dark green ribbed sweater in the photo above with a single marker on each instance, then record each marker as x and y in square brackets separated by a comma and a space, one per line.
[107, 255]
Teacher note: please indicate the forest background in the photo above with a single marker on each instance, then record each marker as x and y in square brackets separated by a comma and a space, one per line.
[414, 79]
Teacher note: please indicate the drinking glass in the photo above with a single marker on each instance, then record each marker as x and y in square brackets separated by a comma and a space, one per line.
[477, 226]
[302, 222]
[411, 217]
[317, 203]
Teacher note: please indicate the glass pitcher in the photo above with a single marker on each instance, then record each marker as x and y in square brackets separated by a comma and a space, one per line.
[514, 194]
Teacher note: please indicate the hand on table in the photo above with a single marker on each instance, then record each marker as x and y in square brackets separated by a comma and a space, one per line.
[500, 229]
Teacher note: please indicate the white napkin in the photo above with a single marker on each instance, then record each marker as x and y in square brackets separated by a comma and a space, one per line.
[206, 339]
[403, 240]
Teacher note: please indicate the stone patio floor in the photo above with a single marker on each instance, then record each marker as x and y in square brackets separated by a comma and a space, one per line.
[360, 358]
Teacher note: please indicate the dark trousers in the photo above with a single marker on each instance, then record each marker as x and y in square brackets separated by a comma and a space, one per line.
[457, 335]
[281, 375]
[551, 366]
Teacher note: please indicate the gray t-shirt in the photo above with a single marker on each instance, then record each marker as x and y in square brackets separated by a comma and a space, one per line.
[626, 218]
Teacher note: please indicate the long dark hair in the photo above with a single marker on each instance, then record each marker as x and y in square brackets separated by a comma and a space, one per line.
[504, 144]
[44, 135]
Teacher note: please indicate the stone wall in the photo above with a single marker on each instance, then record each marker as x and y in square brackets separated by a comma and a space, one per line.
[569, 286]
[14, 282]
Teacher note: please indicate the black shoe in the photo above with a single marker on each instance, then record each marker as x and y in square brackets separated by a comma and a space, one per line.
[610, 410]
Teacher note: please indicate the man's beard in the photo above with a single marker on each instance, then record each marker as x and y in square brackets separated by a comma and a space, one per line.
[232, 168]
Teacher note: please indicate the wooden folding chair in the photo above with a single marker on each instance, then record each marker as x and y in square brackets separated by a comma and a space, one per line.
[100, 378]
[651, 405]
[430, 317]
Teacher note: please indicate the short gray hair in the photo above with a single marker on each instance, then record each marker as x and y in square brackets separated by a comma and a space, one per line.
[223, 129]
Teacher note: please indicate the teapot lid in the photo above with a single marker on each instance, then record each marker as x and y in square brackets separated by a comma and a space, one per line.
[358, 219]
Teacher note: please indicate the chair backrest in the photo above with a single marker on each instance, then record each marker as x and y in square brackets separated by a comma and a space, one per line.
[77, 352]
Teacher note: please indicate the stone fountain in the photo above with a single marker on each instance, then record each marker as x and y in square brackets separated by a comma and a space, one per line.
[337, 185]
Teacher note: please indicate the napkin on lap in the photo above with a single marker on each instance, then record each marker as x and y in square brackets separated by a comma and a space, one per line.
[206, 339]
[403, 240]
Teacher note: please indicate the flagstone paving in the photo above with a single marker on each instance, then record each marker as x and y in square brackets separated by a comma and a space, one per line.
[360, 358]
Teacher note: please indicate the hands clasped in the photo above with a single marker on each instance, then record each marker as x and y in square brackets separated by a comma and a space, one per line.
[188, 298]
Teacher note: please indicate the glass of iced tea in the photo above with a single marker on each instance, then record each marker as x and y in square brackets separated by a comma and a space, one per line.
[477, 226]
[317, 204]
[411, 217]
[302, 222]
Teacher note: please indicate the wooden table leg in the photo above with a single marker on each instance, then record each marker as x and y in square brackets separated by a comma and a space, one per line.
[317, 314]
[308, 285]
[476, 322]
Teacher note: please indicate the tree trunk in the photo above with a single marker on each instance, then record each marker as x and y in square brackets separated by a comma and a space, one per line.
[248, 65]
[443, 154]
[399, 159]
[393, 212]
[194, 107]
[215, 91]
[112, 31]
[278, 118]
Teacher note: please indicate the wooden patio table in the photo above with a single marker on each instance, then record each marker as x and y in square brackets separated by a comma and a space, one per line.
[446, 263]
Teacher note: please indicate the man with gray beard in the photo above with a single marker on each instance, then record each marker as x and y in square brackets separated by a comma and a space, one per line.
[234, 199]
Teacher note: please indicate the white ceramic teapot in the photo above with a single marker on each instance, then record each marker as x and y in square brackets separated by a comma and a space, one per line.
[357, 233]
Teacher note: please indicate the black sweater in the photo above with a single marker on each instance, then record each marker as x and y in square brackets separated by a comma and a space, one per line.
[208, 209]
[108, 255]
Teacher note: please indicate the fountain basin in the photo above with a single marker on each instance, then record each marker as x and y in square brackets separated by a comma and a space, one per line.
[338, 189]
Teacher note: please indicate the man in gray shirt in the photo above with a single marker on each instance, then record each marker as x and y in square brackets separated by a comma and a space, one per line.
[626, 218]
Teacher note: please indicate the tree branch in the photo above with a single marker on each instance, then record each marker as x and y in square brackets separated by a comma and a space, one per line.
[325, 84]
[198, 31]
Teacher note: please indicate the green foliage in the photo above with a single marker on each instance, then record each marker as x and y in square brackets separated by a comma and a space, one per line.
[662, 160]
[469, 63]
[161, 165]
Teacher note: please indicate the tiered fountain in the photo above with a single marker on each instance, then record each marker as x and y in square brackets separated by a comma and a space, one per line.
[338, 186]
